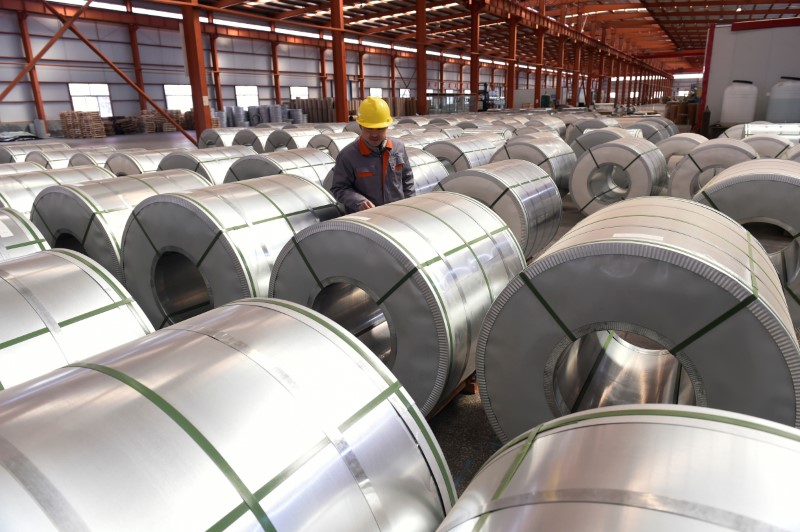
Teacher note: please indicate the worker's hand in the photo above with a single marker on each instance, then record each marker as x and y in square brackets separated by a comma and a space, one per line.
[366, 204]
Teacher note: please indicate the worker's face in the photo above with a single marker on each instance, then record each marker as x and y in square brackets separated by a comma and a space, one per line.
[373, 137]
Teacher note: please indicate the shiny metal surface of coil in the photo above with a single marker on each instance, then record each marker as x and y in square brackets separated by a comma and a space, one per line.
[545, 120]
[705, 161]
[618, 170]
[332, 143]
[186, 253]
[97, 158]
[420, 141]
[413, 120]
[666, 122]
[679, 274]
[596, 137]
[551, 154]
[652, 467]
[57, 159]
[792, 154]
[451, 132]
[59, 307]
[417, 297]
[224, 422]
[18, 191]
[215, 137]
[90, 217]
[652, 131]
[18, 236]
[19, 168]
[330, 127]
[290, 139]
[463, 152]
[16, 153]
[676, 147]
[522, 194]
[308, 163]
[211, 163]
[135, 163]
[473, 123]
[579, 127]
[769, 146]
[256, 138]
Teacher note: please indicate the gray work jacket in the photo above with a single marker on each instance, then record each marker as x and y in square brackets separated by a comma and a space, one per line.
[362, 173]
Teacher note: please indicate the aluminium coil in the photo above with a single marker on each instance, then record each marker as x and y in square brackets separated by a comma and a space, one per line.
[450, 131]
[223, 422]
[676, 147]
[705, 161]
[186, 253]
[579, 127]
[255, 138]
[553, 122]
[90, 217]
[59, 307]
[418, 121]
[666, 122]
[686, 277]
[417, 297]
[16, 153]
[537, 131]
[221, 136]
[19, 168]
[308, 163]
[792, 154]
[97, 158]
[332, 143]
[652, 131]
[653, 467]
[18, 236]
[353, 127]
[18, 191]
[733, 132]
[618, 170]
[552, 154]
[135, 163]
[764, 191]
[401, 131]
[522, 194]
[444, 121]
[769, 146]
[462, 153]
[596, 137]
[420, 141]
[211, 163]
[473, 123]
[330, 127]
[504, 133]
[57, 159]
[271, 125]
[289, 139]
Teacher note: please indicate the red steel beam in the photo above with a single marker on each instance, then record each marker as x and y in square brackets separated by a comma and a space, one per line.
[511, 72]
[276, 74]
[339, 61]
[193, 42]
[475, 52]
[576, 73]
[22, 18]
[323, 70]
[216, 74]
[133, 33]
[393, 75]
[537, 89]
[422, 60]
[361, 76]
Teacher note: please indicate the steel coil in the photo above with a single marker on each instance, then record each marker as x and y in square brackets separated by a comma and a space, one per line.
[504, 133]
[462, 153]
[522, 194]
[330, 127]
[353, 127]
[308, 163]
[216, 137]
[552, 154]
[615, 171]
[445, 120]
[19, 168]
[59, 307]
[733, 132]
[272, 125]
[57, 159]
[792, 154]
[16, 153]
[769, 146]
[18, 191]
[435, 264]
[420, 141]
[135, 163]
[473, 123]
[256, 138]
[596, 137]
[18, 236]
[332, 143]
[418, 121]
[648, 467]
[579, 127]
[223, 422]
[211, 163]
[544, 120]
[666, 122]
[97, 158]
[705, 161]
[541, 131]
[90, 217]
[183, 254]
[655, 132]
[674, 148]
[289, 139]
[681, 274]
[450, 132]
[764, 191]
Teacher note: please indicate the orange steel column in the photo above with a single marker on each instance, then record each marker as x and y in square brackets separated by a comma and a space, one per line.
[215, 72]
[576, 74]
[537, 87]
[611, 61]
[361, 76]
[589, 76]
[323, 71]
[339, 61]
[618, 88]
[601, 76]
[511, 66]
[560, 67]
[474, 53]
[393, 75]
[422, 61]
[441, 76]
[22, 17]
[276, 74]
[133, 32]
[193, 41]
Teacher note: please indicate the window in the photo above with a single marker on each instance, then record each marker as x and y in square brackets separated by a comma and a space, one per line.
[298, 92]
[634, 94]
[376, 91]
[246, 95]
[405, 93]
[612, 95]
[179, 97]
[91, 97]
[683, 94]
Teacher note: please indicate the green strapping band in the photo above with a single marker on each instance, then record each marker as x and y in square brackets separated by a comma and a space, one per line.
[592, 371]
[739, 306]
[25, 223]
[370, 406]
[24, 337]
[710, 201]
[491, 206]
[95, 312]
[136, 219]
[397, 285]
[208, 249]
[191, 431]
[547, 307]
[38, 241]
[145, 183]
[689, 155]
[598, 196]
[633, 161]
[591, 154]
[305, 260]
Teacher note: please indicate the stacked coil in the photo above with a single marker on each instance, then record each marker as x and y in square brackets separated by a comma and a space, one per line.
[330, 127]
[224, 422]
[677, 146]
[19, 168]
[427, 170]
[420, 141]
[552, 154]
[655, 132]
[216, 137]
[792, 154]
[135, 163]
[696, 283]
[308, 163]
[186, 253]
[596, 137]
[16, 153]
[462, 153]
[211, 163]
[18, 236]
[57, 159]
[332, 143]
[415, 300]
[769, 146]
[97, 158]
[703, 162]
[579, 127]
[553, 122]
[289, 139]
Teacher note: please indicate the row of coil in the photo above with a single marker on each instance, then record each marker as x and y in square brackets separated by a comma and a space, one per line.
[261, 292]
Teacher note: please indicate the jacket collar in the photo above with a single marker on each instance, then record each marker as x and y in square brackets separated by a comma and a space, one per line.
[365, 150]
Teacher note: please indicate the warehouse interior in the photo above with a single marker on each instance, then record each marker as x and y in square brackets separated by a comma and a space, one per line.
[585, 317]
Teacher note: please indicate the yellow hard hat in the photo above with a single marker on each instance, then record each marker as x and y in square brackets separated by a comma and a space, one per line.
[374, 113]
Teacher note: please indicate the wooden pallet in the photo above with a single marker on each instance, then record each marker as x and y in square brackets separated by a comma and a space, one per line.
[468, 387]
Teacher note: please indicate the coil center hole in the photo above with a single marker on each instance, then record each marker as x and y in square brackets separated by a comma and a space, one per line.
[354, 309]
[609, 183]
[68, 241]
[606, 368]
[180, 288]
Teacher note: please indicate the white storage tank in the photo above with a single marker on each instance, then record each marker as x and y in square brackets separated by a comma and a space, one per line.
[784, 101]
[739, 103]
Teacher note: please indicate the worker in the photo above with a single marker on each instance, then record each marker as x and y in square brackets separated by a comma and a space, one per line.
[373, 170]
